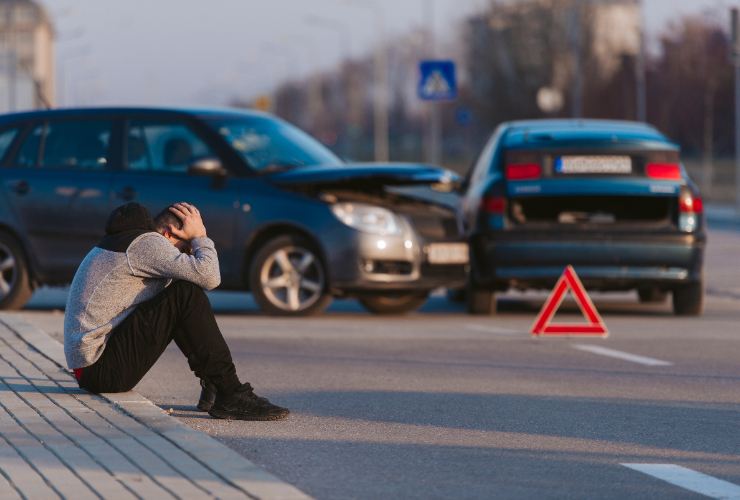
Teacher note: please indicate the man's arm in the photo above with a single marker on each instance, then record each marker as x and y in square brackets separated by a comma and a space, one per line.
[152, 256]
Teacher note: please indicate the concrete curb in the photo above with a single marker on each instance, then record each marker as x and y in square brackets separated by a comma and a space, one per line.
[214, 455]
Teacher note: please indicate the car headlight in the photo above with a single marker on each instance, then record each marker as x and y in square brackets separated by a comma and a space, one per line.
[367, 218]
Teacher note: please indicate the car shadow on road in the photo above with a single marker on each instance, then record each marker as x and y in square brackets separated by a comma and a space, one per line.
[650, 427]
[336, 469]
[242, 304]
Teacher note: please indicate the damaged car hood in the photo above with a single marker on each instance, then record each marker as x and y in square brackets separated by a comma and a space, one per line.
[367, 175]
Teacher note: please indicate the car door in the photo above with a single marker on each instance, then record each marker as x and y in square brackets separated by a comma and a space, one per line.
[158, 154]
[58, 188]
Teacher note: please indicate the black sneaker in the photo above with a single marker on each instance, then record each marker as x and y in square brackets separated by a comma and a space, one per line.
[244, 404]
[207, 395]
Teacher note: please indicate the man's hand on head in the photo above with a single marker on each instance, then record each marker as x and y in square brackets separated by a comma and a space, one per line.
[192, 223]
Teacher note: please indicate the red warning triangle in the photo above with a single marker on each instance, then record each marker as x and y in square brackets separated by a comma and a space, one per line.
[569, 280]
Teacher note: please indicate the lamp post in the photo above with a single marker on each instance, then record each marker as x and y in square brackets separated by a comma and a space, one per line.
[81, 51]
[11, 55]
[735, 20]
[345, 38]
[434, 130]
[640, 67]
[576, 20]
[344, 51]
[381, 91]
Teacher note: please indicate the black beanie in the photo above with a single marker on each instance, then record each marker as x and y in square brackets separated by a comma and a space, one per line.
[128, 217]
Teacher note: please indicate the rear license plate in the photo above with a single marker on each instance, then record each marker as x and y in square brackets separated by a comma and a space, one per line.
[447, 253]
[593, 165]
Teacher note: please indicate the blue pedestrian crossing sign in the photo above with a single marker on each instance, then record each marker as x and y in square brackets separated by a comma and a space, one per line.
[437, 81]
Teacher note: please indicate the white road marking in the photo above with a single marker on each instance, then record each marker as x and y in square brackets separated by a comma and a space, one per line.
[690, 480]
[603, 351]
[492, 329]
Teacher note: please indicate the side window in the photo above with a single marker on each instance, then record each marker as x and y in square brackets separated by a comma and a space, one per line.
[163, 147]
[78, 144]
[28, 155]
[483, 165]
[6, 139]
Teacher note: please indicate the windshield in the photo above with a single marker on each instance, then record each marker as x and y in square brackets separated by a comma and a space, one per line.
[268, 144]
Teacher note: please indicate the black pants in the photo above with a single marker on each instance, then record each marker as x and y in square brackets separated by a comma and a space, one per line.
[181, 313]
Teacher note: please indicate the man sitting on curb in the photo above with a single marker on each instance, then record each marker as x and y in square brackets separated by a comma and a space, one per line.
[138, 289]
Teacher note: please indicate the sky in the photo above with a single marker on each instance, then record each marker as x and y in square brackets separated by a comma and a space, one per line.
[195, 52]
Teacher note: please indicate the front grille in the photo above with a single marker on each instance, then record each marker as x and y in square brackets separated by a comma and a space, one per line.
[393, 267]
[446, 271]
[435, 227]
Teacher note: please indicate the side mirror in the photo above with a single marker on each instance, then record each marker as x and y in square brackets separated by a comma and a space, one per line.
[208, 166]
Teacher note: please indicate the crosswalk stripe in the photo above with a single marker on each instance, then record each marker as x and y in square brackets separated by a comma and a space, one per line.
[613, 353]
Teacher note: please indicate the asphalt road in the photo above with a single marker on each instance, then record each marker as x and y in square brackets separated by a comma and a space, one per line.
[440, 404]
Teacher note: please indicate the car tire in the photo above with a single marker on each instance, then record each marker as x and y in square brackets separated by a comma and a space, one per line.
[688, 300]
[15, 279]
[481, 301]
[651, 295]
[401, 303]
[280, 273]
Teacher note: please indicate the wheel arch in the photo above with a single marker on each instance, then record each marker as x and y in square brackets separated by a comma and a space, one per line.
[33, 272]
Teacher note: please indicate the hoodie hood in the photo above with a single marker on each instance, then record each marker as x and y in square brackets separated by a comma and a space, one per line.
[125, 224]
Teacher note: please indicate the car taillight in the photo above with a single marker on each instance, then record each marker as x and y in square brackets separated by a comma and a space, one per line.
[667, 171]
[495, 205]
[688, 204]
[522, 171]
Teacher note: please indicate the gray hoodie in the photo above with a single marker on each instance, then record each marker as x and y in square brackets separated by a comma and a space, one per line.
[110, 283]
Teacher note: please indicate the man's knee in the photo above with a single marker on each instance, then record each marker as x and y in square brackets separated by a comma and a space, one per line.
[187, 288]
[189, 293]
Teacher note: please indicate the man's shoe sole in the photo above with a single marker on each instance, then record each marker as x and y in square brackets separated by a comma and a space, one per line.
[226, 415]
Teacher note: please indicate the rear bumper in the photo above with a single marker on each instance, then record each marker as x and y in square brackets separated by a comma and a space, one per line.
[602, 261]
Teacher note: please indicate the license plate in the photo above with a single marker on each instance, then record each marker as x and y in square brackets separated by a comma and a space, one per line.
[593, 165]
[447, 253]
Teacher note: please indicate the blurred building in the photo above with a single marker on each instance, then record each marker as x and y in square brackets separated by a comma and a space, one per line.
[26, 56]
[617, 29]
[573, 48]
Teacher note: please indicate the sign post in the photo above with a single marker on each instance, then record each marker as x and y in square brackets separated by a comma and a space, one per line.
[437, 82]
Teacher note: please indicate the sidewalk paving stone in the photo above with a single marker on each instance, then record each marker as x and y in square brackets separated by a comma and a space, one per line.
[57, 440]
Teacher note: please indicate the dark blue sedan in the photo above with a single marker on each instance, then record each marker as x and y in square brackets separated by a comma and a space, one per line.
[291, 222]
[610, 198]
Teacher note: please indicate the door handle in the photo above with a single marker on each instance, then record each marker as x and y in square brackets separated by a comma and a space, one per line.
[21, 187]
[128, 193]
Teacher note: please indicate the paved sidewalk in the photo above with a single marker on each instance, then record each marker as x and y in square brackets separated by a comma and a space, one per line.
[57, 440]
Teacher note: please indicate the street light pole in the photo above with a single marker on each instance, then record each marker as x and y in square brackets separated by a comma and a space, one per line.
[735, 19]
[576, 41]
[345, 37]
[345, 52]
[434, 132]
[380, 92]
[81, 51]
[640, 68]
[737, 133]
[12, 56]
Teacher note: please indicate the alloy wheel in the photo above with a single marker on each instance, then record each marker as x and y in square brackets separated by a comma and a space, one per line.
[8, 271]
[292, 278]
